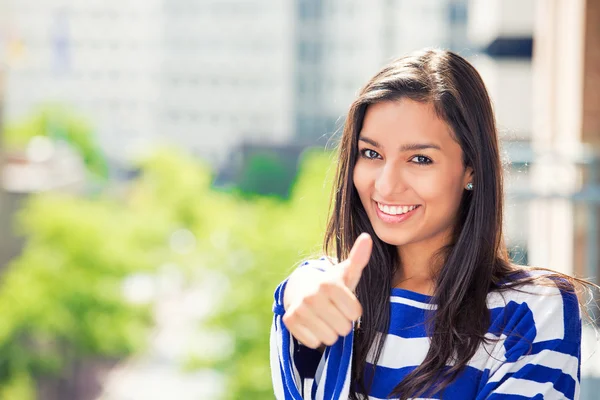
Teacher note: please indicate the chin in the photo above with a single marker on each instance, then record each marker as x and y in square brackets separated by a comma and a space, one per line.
[394, 238]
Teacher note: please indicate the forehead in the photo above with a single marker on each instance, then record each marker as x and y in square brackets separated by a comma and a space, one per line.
[405, 121]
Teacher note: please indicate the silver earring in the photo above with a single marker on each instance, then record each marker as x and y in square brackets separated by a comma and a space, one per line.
[469, 186]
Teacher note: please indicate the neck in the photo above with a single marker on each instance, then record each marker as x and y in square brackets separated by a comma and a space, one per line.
[418, 265]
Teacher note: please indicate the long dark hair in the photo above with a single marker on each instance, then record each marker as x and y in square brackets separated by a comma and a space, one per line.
[476, 259]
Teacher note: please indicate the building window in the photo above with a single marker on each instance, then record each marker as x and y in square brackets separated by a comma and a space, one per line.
[458, 13]
[311, 52]
[309, 9]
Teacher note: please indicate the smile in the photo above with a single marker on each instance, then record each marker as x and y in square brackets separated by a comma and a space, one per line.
[395, 210]
[395, 214]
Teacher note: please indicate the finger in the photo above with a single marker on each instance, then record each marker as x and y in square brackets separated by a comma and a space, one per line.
[334, 318]
[346, 302]
[357, 260]
[321, 330]
[300, 332]
[305, 336]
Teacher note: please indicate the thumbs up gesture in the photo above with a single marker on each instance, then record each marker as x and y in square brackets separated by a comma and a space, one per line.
[320, 306]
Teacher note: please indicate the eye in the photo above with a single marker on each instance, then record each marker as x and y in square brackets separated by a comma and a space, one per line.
[369, 154]
[421, 160]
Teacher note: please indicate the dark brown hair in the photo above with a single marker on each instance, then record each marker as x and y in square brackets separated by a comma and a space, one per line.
[476, 260]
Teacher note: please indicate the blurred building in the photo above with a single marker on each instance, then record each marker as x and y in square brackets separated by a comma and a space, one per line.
[502, 31]
[100, 58]
[567, 125]
[198, 74]
[209, 74]
[545, 93]
[4, 52]
[340, 44]
[226, 75]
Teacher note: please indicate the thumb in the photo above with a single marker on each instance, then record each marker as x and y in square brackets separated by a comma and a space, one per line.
[357, 260]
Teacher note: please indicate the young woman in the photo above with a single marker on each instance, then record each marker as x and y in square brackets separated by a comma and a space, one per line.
[417, 221]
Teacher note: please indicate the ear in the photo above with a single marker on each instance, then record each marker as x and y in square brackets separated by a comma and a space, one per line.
[468, 176]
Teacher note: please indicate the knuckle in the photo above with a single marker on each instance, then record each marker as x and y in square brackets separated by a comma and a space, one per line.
[301, 311]
[326, 287]
[311, 300]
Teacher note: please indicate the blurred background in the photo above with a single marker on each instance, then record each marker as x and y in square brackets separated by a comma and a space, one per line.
[164, 166]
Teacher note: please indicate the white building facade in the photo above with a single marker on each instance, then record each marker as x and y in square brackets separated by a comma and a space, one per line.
[209, 74]
[196, 74]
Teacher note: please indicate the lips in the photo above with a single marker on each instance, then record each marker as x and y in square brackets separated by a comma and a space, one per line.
[395, 209]
[389, 218]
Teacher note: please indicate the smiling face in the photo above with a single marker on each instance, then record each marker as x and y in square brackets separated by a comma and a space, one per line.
[409, 173]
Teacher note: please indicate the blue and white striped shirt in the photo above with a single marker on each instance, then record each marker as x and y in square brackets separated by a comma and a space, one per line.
[535, 354]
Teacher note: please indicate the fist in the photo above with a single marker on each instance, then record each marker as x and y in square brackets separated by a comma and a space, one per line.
[324, 306]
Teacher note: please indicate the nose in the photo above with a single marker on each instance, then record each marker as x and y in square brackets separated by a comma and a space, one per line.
[390, 181]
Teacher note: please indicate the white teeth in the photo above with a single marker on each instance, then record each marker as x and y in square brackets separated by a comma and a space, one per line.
[395, 210]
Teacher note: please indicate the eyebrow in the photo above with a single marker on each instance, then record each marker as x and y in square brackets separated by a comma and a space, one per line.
[404, 147]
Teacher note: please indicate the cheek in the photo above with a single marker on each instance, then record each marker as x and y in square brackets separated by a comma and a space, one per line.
[440, 191]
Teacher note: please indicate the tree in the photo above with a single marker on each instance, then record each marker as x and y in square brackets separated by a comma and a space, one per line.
[61, 301]
[272, 236]
[58, 123]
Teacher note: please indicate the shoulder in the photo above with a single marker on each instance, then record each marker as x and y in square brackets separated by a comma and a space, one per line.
[543, 308]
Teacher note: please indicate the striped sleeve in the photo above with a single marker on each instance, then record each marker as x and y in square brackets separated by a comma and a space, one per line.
[299, 372]
[542, 343]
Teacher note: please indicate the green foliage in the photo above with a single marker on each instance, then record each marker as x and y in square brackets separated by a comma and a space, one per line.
[61, 300]
[176, 187]
[268, 173]
[267, 237]
[19, 388]
[59, 124]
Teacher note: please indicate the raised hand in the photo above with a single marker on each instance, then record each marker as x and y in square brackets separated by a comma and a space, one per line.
[321, 306]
